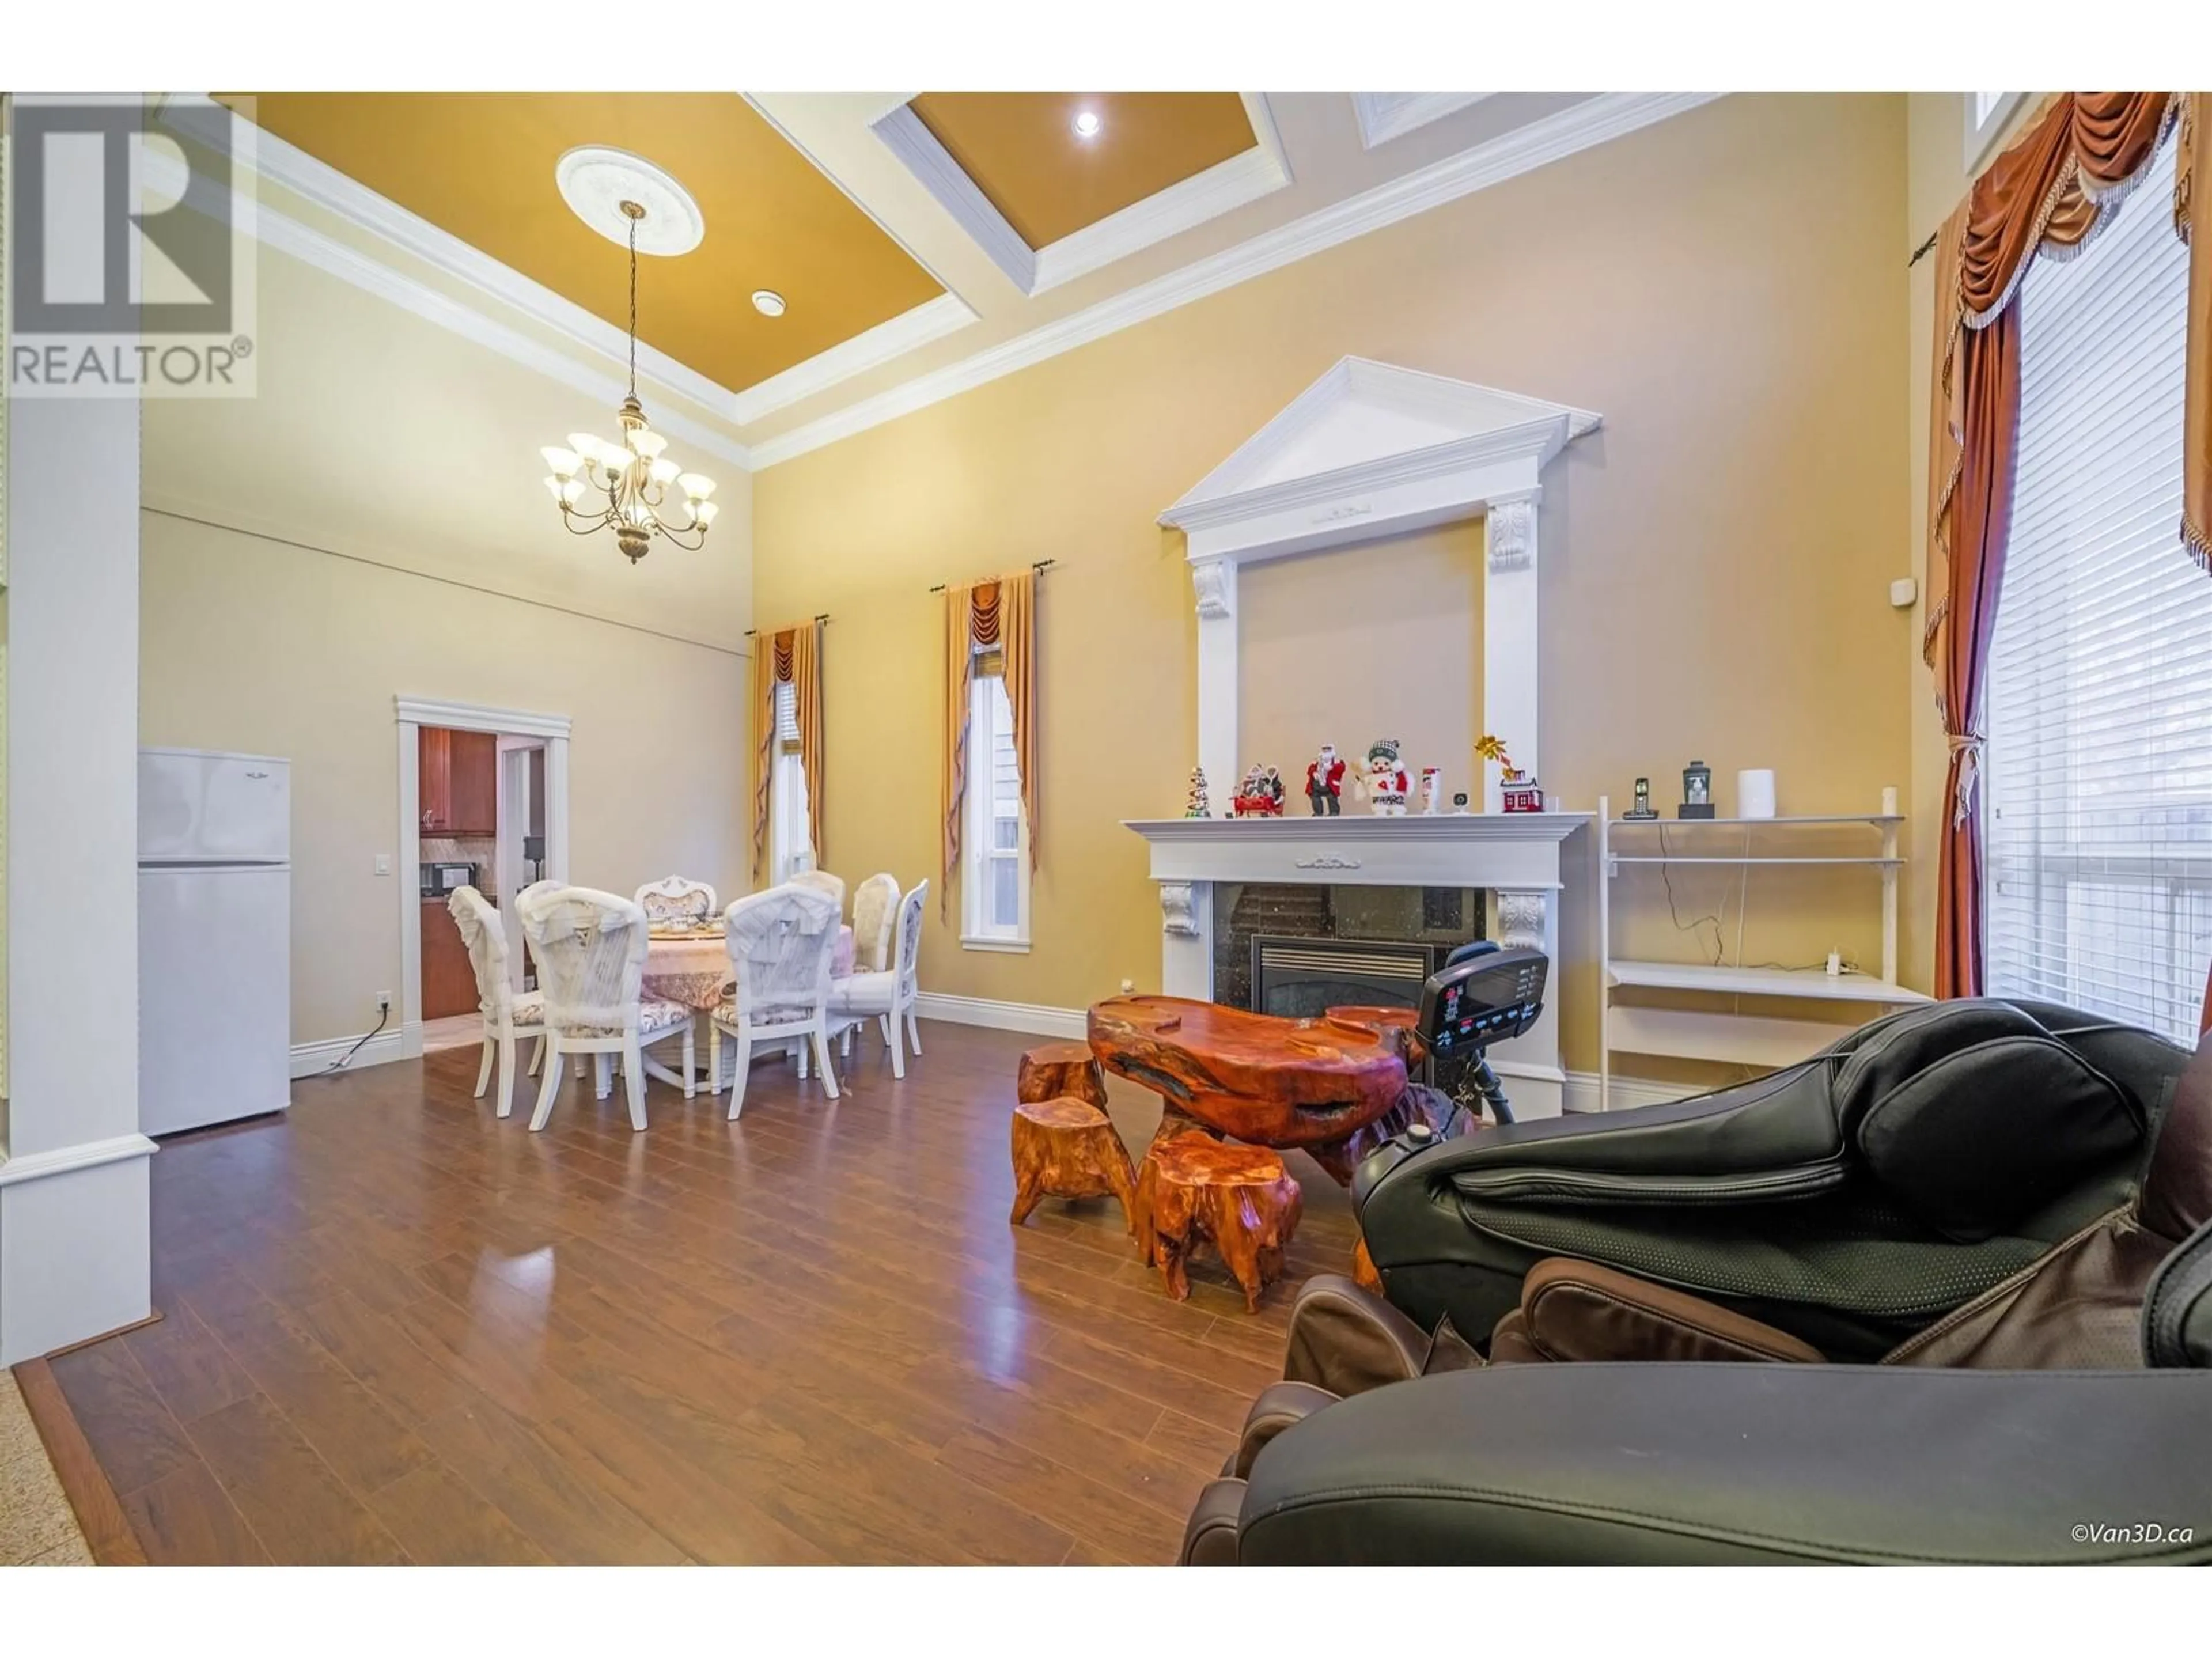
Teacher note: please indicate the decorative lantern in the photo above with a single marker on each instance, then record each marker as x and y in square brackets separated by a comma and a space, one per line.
[1696, 791]
[1643, 809]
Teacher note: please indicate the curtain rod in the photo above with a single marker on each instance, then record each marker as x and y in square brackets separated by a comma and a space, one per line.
[1041, 566]
[1923, 249]
[821, 617]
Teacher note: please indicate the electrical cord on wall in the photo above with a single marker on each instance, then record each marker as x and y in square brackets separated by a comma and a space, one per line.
[383, 1016]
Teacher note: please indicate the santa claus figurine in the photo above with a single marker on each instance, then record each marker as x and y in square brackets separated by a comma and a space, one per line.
[1386, 783]
[1325, 782]
[1432, 789]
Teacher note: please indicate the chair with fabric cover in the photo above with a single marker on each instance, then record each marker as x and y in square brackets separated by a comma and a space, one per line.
[822, 881]
[875, 916]
[508, 1014]
[782, 946]
[888, 995]
[589, 948]
[675, 899]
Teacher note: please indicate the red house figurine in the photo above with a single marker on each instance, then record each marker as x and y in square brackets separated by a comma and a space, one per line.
[1520, 792]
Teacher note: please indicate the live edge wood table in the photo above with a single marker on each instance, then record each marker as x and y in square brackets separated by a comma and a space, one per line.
[1335, 1087]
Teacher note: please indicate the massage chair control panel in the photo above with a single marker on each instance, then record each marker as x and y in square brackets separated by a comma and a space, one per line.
[1482, 995]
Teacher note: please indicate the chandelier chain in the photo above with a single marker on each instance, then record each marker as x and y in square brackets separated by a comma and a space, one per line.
[633, 307]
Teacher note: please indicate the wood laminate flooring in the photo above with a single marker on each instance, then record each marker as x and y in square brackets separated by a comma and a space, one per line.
[399, 1329]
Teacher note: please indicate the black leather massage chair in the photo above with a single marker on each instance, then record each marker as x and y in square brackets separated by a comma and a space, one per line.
[1939, 1292]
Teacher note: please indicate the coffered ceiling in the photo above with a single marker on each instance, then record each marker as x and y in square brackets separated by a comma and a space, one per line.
[1025, 154]
[924, 243]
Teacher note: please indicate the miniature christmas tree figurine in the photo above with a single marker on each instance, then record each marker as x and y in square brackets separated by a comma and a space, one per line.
[1196, 807]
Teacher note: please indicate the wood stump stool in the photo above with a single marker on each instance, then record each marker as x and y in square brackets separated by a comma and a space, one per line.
[1066, 1148]
[1055, 1070]
[1193, 1188]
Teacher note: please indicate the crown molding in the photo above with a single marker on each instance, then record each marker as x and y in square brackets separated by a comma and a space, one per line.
[903, 133]
[325, 187]
[1387, 115]
[933, 320]
[1609, 116]
[1245, 177]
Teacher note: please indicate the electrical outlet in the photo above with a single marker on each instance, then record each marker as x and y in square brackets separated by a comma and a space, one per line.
[1127, 986]
[383, 1002]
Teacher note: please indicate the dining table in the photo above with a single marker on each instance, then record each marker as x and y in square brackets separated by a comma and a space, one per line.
[689, 963]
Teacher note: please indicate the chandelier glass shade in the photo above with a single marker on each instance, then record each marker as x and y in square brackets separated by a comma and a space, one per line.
[624, 485]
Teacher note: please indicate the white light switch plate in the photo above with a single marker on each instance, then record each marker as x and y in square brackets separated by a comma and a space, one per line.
[384, 863]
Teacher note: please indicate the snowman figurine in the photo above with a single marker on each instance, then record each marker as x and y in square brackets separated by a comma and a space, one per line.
[1386, 783]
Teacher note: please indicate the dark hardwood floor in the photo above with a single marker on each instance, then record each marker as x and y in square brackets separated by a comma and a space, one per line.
[399, 1329]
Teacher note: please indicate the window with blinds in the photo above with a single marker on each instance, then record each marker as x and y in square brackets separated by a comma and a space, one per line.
[2098, 846]
[790, 837]
[995, 874]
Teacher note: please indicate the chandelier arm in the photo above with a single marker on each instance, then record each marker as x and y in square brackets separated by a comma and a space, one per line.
[591, 527]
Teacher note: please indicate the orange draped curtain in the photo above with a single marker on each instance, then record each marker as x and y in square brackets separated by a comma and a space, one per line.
[2071, 165]
[1000, 612]
[790, 656]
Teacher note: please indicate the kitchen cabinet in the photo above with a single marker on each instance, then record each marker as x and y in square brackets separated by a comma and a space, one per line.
[449, 983]
[458, 781]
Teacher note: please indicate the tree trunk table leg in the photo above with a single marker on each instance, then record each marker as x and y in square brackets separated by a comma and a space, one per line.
[1067, 1148]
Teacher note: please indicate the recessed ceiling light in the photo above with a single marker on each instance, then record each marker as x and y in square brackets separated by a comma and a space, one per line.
[768, 302]
[1087, 123]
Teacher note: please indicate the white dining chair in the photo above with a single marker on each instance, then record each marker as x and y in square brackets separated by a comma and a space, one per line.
[822, 881]
[508, 1014]
[782, 946]
[888, 995]
[675, 898]
[589, 948]
[875, 917]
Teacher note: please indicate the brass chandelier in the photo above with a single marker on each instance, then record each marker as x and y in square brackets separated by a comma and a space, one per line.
[632, 476]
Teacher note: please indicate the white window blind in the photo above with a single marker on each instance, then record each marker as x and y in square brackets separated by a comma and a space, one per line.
[996, 879]
[790, 837]
[2100, 696]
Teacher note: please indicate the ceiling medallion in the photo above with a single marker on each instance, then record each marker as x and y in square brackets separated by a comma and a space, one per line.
[608, 189]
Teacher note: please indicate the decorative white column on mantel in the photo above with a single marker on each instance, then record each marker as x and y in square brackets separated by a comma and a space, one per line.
[1515, 857]
[1367, 451]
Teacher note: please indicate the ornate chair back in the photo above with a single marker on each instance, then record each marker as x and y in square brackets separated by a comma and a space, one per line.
[908, 946]
[782, 944]
[875, 920]
[675, 899]
[485, 934]
[822, 881]
[589, 948]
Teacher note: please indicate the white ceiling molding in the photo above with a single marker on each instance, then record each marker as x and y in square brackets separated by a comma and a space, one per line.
[903, 134]
[1245, 177]
[1387, 115]
[1184, 205]
[164, 173]
[1609, 116]
[933, 320]
[326, 188]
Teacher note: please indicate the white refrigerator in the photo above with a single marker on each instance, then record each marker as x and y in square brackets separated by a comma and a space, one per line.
[215, 938]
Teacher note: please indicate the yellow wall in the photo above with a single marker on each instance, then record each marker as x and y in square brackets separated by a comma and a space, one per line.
[1724, 287]
[250, 644]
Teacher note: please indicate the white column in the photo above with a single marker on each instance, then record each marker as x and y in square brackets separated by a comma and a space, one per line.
[1214, 581]
[1186, 939]
[73, 1238]
[1510, 642]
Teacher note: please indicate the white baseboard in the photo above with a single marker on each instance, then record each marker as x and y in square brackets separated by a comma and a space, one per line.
[1032, 1016]
[1579, 1090]
[312, 1059]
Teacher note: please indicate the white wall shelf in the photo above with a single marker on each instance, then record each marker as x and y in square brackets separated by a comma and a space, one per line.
[1735, 1036]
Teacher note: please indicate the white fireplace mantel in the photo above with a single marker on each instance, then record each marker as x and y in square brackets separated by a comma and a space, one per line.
[1515, 857]
[1371, 451]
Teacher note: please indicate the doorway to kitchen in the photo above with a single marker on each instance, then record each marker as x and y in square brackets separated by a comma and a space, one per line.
[483, 802]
